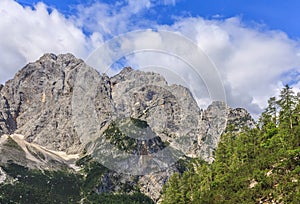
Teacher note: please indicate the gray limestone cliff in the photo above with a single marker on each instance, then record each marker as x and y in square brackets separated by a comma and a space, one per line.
[37, 102]
[62, 104]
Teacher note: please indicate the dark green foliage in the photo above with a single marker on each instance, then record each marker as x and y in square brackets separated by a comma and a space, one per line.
[34, 186]
[139, 123]
[109, 198]
[119, 139]
[12, 144]
[182, 164]
[125, 136]
[258, 165]
[94, 171]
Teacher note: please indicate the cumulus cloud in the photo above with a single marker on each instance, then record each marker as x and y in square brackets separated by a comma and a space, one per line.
[112, 19]
[27, 33]
[251, 61]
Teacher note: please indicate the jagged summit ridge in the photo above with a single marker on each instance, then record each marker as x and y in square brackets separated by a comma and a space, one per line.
[59, 103]
[56, 100]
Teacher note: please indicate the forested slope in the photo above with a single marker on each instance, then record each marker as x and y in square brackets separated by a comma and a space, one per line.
[259, 165]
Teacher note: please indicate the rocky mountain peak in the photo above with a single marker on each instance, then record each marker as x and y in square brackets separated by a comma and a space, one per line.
[59, 103]
[37, 102]
[61, 57]
[40, 103]
[125, 70]
[48, 57]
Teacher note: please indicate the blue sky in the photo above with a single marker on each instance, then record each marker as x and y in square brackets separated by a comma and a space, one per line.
[274, 14]
[254, 44]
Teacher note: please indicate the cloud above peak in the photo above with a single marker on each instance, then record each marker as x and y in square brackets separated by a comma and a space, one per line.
[253, 61]
[26, 33]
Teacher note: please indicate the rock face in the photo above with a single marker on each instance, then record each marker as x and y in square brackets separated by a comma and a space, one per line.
[38, 102]
[214, 122]
[62, 104]
[170, 111]
[239, 118]
[7, 117]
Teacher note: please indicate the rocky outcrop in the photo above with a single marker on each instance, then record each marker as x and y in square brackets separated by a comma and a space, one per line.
[239, 118]
[151, 184]
[39, 100]
[7, 117]
[213, 124]
[62, 104]
[170, 111]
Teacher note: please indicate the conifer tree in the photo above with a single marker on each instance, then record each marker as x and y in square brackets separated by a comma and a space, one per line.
[286, 102]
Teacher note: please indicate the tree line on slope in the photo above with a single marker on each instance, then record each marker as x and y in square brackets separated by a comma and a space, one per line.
[36, 186]
[258, 165]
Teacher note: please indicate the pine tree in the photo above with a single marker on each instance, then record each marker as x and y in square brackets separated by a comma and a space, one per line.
[268, 122]
[287, 104]
[270, 113]
[171, 191]
[296, 123]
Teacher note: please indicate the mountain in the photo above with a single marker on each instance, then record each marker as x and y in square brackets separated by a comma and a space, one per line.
[57, 112]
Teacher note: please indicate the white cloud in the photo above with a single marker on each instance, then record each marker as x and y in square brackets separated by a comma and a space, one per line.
[251, 61]
[166, 2]
[111, 19]
[27, 33]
